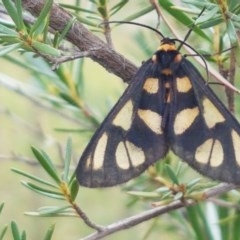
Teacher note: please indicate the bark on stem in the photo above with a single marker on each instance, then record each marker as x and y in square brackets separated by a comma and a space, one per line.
[85, 40]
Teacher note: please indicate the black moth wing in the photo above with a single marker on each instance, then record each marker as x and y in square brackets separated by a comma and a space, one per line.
[130, 138]
[201, 130]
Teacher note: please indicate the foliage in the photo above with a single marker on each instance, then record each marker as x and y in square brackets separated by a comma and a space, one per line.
[31, 44]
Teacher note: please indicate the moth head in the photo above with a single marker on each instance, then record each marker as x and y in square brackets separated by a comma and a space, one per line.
[166, 55]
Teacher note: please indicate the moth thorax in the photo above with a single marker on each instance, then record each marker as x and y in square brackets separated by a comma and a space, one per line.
[167, 46]
[166, 71]
[165, 59]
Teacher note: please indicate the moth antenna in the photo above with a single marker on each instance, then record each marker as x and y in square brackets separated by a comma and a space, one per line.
[182, 42]
[189, 32]
[137, 24]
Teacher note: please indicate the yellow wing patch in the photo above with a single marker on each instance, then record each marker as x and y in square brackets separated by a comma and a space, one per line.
[211, 114]
[96, 161]
[185, 119]
[127, 154]
[152, 119]
[183, 84]
[210, 152]
[151, 85]
[123, 118]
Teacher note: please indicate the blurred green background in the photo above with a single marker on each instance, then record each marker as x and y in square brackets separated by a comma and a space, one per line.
[33, 114]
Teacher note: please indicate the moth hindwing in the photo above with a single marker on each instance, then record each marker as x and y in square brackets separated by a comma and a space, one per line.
[168, 105]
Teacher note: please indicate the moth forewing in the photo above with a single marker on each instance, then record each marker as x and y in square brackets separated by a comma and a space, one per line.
[130, 139]
[209, 143]
[167, 105]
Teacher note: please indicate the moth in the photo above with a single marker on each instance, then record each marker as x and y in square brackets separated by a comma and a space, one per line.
[167, 106]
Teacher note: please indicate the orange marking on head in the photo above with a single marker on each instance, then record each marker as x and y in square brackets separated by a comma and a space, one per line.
[167, 47]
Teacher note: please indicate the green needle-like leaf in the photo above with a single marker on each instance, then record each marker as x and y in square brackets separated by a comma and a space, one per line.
[74, 189]
[37, 26]
[235, 226]
[37, 188]
[15, 231]
[138, 14]
[72, 178]
[193, 218]
[232, 33]
[117, 7]
[24, 235]
[39, 180]
[6, 30]
[19, 9]
[181, 17]
[46, 163]
[67, 160]
[145, 194]
[9, 48]
[171, 174]
[46, 49]
[53, 209]
[3, 232]
[1, 207]
[14, 13]
[65, 31]
[49, 233]
[42, 191]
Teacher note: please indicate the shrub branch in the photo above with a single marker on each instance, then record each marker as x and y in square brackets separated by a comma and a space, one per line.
[85, 40]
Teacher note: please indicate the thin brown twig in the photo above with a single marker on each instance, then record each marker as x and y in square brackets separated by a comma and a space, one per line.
[66, 192]
[75, 55]
[231, 78]
[157, 8]
[225, 204]
[86, 219]
[155, 212]
[107, 33]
